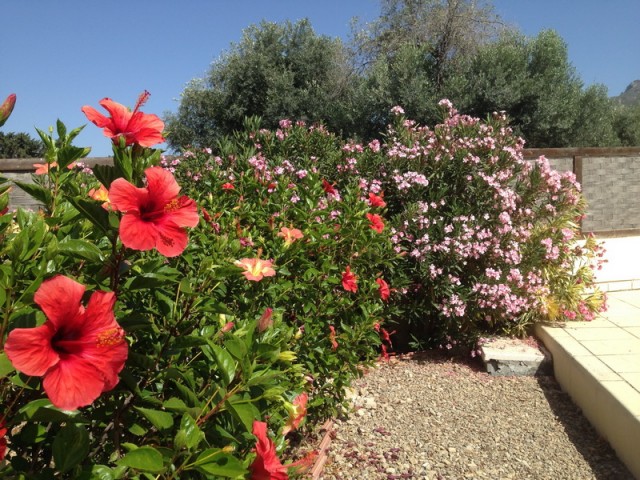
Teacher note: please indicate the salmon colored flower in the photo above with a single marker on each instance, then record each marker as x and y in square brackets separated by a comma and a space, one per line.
[255, 269]
[383, 289]
[228, 186]
[376, 222]
[332, 337]
[385, 354]
[7, 107]
[349, 280]
[376, 201]
[43, 168]
[290, 235]
[266, 319]
[101, 195]
[297, 413]
[134, 126]
[267, 465]
[154, 216]
[79, 351]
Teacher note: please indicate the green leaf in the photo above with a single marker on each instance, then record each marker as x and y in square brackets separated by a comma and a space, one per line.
[189, 435]
[70, 447]
[41, 194]
[92, 211]
[159, 419]
[236, 347]
[246, 412]
[225, 362]
[105, 174]
[216, 462]
[147, 459]
[147, 280]
[5, 365]
[80, 248]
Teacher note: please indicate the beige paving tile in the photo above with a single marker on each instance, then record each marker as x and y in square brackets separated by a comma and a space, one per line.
[635, 331]
[613, 347]
[623, 363]
[572, 346]
[631, 297]
[616, 333]
[626, 320]
[597, 323]
[633, 379]
[597, 368]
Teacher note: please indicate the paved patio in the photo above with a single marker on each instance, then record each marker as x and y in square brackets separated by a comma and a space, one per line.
[598, 362]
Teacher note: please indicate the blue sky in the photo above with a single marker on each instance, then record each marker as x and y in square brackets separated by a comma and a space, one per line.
[60, 55]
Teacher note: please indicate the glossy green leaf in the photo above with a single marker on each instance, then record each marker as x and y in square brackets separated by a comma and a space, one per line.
[80, 248]
[216, 462]
[189, 435]
[159, 419]
[70, 447]
[36, 191]
[147, 459]
[225, 362]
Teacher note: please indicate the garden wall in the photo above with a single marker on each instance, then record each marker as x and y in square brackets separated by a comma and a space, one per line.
[610, 179]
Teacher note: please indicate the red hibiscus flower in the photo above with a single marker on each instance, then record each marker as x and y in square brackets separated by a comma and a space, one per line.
[297, 413]
[383, 289]
[6, 108]
[3, 440]
[154, 216]
[376, 201]
[328, 188]
[376, 222]
[79, 351]
[228, 186]
[267, 465]
[332, 337]
[290, 235]
[136, 127]
[349, 280]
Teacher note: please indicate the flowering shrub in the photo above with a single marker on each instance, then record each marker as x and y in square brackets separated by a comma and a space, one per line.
[490, 240]
[179, 326]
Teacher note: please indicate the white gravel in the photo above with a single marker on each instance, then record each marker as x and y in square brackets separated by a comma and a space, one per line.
[428, 417]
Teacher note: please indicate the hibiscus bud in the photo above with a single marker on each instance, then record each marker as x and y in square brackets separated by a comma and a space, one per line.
[227, 328]
[265, 320]
[6, 108]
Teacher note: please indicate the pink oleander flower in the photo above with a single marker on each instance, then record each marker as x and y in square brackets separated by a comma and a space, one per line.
[255, 269]
[290, 235]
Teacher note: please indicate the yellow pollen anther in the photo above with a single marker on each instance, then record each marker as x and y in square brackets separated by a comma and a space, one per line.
[172, 206]
[109, 337]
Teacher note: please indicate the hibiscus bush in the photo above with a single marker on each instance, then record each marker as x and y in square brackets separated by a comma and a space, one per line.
[187, 326]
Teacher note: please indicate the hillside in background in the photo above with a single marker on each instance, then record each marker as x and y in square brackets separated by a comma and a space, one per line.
[631, 95]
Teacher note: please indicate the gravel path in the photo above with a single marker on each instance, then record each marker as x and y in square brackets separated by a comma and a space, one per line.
[427, 417]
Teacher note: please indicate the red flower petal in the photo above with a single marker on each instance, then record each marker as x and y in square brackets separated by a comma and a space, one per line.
[30, 351]
[171, 240]
[73, 383]
[137, 234]
[162, 185]
[60, 297]
[126, 197]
